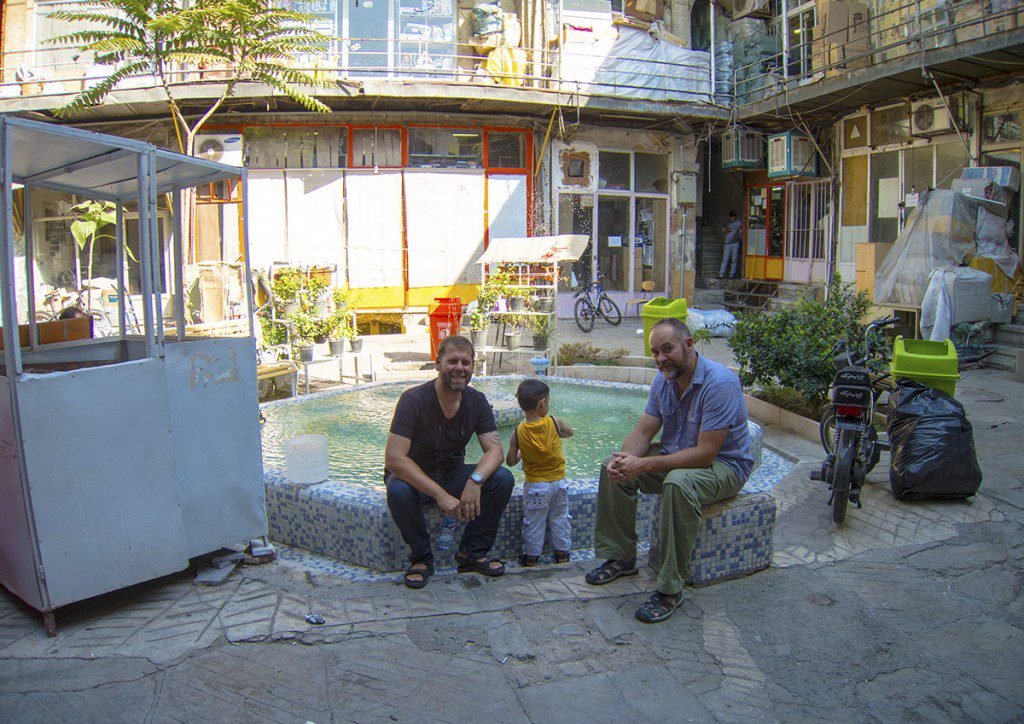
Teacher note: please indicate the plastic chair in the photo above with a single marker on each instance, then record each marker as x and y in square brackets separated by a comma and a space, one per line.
[646, 287]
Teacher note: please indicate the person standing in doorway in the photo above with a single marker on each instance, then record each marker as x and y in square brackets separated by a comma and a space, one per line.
[731, 253]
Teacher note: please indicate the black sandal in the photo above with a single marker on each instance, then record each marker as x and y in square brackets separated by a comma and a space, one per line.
[609, 571]
[657, 608]
[527, 561]
[425, 574]
[561, 556]
[469, 564]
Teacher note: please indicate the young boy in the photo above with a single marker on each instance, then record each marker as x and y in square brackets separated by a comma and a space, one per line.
[538, 441]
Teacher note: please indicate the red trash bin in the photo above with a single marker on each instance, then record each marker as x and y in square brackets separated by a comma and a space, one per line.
[445, 318]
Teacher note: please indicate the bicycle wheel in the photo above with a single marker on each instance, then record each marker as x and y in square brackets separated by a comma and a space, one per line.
[608, 309]
[584, 313]
[842, 474]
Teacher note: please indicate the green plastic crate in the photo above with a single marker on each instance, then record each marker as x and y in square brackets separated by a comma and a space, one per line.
[931, 363]
[661, 308]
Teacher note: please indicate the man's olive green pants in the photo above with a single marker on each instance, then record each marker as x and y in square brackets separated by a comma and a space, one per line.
[683, 493]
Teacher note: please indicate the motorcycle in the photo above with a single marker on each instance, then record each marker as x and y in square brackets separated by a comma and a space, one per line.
[855, 447]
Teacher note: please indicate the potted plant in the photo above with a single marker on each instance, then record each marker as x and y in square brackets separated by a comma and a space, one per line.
[541, 331]
[479, 321]
[286, 286]
[305, 328]
[352, 334]
[337, 323]
[316, 292]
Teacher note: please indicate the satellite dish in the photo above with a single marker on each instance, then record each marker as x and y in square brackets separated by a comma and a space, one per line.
[211, 149]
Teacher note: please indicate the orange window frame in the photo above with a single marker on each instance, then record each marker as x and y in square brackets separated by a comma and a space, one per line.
[403, 141]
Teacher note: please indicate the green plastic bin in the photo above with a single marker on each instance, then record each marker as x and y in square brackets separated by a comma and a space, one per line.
[930, 363]
[661, 308]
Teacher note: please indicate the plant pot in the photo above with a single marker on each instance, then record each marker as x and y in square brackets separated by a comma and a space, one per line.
[478, 337]
[516, 304]
[544, 304]
[357, 344]
[305, 352]
[289, 308]
[540, 342]
[513, 340]
[337, 347]
[321, 306]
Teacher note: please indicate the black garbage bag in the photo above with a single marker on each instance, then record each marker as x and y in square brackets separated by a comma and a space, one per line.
[933, 455]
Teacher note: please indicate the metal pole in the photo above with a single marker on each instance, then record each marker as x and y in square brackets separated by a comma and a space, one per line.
[154, 240]
[179, 277]
[119, 257]
[250, 292]
[30, 262]
[145, 251]
[711, 9]
[8, 296]
[785, 39]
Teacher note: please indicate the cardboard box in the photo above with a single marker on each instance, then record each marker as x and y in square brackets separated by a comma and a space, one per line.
[869, 258]
[649, 10]
[1006, 176]
[841, 36]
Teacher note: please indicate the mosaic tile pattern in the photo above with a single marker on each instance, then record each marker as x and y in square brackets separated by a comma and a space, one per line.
[735, 539]
[352, 524]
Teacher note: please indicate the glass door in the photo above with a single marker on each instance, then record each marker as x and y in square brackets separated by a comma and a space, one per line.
[766, 233]
[775, 262]
[369, 30]
[614, 242]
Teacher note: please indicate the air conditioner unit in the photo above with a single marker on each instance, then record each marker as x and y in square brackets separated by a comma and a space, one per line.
[743, 8]
[220, 147]
[791, 155]
[742, 148]
[932, 118]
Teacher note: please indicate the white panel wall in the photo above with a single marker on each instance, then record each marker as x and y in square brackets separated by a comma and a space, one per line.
[506, 207]
[316, 218]
[445, 222]
[374, 213]
[267, 219]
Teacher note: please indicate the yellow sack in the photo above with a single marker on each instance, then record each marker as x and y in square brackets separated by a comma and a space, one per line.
[506, 65]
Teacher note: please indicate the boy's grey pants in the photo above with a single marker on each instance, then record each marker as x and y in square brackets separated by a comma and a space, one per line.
[546, 505]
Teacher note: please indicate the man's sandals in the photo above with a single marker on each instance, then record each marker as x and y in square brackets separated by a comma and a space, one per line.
[468, 564]
[417, 574]
[659, 607]
[609, 571]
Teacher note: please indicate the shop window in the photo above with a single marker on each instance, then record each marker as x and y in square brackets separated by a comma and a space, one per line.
[613, 169]
[917, 169]
[1009, 158]
[506, 150]
[376, 147]
[650, 245]
[650, 173]
[950, 160]
[445, 148]
[576, 216]
[296, 147]
[1002, 127]
[890, 125]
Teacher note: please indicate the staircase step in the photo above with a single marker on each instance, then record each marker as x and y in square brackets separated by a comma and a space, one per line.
[1005, 357]
[1010, 334]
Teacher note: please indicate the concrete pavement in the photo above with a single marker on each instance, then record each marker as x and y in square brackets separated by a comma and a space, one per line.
[908, 612]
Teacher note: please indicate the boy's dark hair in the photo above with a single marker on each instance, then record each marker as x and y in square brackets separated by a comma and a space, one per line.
[530, 393]
[733, 215]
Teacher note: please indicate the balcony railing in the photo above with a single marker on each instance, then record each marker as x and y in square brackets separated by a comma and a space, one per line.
[904, 29]
[686, 78]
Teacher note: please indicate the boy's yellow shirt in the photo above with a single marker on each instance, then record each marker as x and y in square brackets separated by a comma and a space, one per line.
[541, 448]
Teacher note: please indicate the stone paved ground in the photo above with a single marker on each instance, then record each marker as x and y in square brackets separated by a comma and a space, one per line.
[909, 612]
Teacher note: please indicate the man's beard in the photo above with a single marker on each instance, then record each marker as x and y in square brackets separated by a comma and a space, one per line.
[455, 385]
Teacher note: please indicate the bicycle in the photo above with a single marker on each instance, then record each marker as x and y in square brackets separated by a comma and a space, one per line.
[586, 311]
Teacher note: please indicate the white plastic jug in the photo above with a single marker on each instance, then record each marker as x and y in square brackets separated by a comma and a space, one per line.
[305, 459]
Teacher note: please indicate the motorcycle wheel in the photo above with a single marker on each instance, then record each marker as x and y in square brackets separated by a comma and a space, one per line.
[827, 429]
[874, 453]
[842, 474]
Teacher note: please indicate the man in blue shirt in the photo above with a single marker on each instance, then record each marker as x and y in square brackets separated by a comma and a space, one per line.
[703, 457]
[731, 250]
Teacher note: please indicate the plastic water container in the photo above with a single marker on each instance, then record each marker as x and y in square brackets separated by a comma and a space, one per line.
[305, 459]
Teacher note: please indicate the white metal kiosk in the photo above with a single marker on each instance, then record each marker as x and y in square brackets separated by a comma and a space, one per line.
[121, 457]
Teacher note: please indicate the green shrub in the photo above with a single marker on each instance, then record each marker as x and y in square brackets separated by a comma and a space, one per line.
[573, 352]
[791, 348]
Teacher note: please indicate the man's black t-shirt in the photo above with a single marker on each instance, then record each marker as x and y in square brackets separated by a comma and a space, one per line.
[439, 445]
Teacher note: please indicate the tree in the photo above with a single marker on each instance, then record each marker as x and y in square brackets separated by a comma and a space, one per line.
[252, 39]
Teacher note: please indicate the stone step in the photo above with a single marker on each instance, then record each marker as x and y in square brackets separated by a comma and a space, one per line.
[1010, 334]
[1005, 357]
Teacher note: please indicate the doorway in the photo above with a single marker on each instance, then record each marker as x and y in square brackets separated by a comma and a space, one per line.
[766, 232]
[369, 30]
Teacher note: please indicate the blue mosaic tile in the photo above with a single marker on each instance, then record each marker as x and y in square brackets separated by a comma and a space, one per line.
[352, 523]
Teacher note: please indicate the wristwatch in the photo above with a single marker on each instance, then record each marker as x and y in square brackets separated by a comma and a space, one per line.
[477, 478]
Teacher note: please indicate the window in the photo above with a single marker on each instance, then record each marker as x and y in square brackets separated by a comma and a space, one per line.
[855, 132]
[801, 39]
[296, 147]
[614, 171]
[1002, 128]
[917, 169]
[890, 125]
[61, 59]
[885, 195]
[950, 160]
[375, 147]
[506, 150]
[613, 241]
[445, 148]
[650, 173]
[576, 216]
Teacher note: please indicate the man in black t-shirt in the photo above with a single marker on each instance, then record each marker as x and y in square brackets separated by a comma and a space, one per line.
[425, 460]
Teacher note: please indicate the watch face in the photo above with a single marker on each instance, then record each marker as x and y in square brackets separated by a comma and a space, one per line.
[477, 478]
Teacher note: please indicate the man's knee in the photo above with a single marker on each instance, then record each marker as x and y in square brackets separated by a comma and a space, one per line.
[400, 492]
[501, 481]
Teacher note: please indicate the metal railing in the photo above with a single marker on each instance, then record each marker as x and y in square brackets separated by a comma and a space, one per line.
[915, 26]
[37, 72]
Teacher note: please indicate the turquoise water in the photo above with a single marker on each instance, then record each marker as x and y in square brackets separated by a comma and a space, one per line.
[356, 426]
